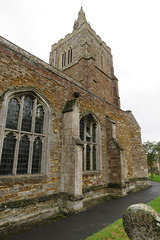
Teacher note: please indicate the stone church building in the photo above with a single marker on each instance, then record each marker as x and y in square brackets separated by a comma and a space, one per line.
[64, 140]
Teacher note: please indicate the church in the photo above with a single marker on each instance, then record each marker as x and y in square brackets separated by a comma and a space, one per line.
[65, 142]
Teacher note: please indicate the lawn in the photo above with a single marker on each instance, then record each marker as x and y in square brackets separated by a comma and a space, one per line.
[156, 178]
[115, 230]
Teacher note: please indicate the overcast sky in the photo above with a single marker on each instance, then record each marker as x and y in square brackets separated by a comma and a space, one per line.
[129, 27]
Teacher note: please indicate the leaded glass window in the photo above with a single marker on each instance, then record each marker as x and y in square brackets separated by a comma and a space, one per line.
[22, 146]
[27, 114]
[82, 129]
[23, 155]
[7, 159]
[13, 114]
[37, 155]
[88, 129]
[94, 132]
[39, 120]
[94, 157]
[88, 164]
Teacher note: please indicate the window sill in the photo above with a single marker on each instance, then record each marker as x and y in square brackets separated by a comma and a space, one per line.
[22, 178]
[91, 173]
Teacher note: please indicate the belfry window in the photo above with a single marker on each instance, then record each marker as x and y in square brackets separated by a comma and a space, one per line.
[24, 135]
[88, 129]
[69, 55]
[101, 61]
[63, 58]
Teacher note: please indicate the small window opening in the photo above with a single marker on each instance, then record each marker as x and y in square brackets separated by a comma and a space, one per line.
[69, 55]
[63, 59]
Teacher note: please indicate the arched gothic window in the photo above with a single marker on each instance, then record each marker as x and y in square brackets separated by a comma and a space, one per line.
[63, 58]
[102, 62]
[25, 137]
[69, 55]
[88, 134]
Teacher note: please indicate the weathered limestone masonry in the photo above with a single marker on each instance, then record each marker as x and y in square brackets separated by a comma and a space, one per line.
[80, 145]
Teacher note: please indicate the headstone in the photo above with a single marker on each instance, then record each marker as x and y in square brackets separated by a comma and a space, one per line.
[141, 222]
[156, 171]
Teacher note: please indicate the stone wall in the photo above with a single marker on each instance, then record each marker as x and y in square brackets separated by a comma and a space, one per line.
[65, 186]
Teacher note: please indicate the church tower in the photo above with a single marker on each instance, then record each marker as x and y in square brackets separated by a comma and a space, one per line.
[85, 57]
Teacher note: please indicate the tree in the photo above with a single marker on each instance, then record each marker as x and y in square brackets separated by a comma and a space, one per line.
[152, 150]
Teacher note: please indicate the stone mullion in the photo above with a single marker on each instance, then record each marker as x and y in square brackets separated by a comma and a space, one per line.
[85, 130]
[95, 145]
[43, 156]
[32, 138]
[18, 137]
[91, 157]
[91, 140]
[84, 145]
[20, 114]
[96, 134]
[91, 147]
[34, 116]
[30, 154]
[85, 156]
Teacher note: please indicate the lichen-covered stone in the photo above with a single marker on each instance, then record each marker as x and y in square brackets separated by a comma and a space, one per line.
[141, 222]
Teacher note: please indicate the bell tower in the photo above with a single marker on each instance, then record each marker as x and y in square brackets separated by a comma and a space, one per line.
[85, 57]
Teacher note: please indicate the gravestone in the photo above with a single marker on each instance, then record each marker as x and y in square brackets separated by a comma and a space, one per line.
[156, 171]
[141, 222]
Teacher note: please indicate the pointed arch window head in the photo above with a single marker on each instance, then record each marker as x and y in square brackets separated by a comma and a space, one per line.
[24, 144]
[88, 134]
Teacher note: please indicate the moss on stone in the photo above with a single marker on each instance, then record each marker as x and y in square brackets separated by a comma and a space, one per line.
[93, 188]
[138, 179]
[26, 202]
[115, 185]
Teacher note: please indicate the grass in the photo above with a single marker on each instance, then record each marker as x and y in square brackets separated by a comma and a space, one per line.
[156, 178]
[115, 231]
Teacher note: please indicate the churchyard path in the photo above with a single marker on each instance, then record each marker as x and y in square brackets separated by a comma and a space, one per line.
[84, 224]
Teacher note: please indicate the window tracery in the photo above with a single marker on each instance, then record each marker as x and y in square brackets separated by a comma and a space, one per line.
[88, 135]
[24, 136]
